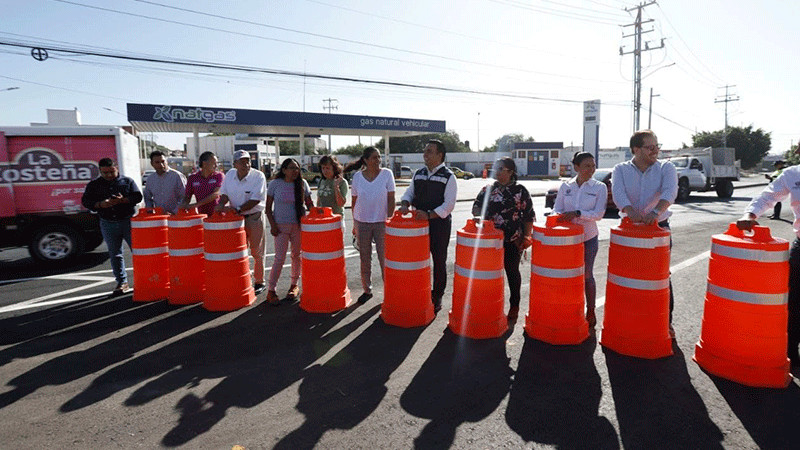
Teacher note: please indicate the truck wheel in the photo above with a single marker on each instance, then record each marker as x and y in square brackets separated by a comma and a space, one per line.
[725, 189]
[55, 244]
[683, 190]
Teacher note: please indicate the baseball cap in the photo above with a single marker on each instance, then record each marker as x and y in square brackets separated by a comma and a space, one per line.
[239, 154]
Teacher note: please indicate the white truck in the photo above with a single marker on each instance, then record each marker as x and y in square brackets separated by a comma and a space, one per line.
[704, 169]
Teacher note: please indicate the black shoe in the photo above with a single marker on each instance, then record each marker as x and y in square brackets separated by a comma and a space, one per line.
[259, 288]
[363, 298]
[121, 289]
[773, 217]
[437, 304]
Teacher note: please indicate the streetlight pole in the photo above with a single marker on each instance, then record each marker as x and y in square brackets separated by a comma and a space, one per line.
[479, 132]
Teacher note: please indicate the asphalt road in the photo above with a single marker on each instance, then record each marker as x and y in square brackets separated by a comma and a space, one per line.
[80, 370]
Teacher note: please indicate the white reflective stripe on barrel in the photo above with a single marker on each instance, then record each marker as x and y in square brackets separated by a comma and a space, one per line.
[320, 227]
[482, 243]
[479, 274]
[557, 273]
[322, 256]
[414, 265]
[149, 251]
[750, 254]
[186, 251]
[185, 223]
[148, 223]
[558, 240]
[627, 241]
[225, 256]
[748, 297]
[233, 225]
[642, 285]
[407, 232]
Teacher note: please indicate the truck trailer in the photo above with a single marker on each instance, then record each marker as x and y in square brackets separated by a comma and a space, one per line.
[43, 173]
[705, 169]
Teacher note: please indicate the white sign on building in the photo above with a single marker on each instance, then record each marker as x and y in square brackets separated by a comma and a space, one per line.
[591, 127]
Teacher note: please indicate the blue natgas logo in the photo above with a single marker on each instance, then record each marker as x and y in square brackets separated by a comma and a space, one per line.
[167, 113]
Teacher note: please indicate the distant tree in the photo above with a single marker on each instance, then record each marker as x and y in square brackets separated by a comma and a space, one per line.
[416, 144]
[291, 148]
[352, 150]
[503, 143]
[791, 157]
[751, 145]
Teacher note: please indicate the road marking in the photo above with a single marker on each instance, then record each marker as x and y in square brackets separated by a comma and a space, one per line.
[56, 294]
[21, 306]
[680, 266]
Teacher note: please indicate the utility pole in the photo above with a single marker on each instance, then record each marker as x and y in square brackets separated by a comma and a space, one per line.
[650, 110]
[637, 57]
[479, 131]
[330, 107]
[726, 99]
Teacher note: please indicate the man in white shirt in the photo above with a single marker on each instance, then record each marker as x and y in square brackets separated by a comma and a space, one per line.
[644, 188]
[786, 185]
[164, 188]
[433, 195]
[246, 190]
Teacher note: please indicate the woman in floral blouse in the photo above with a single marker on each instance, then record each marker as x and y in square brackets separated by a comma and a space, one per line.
[509, 207]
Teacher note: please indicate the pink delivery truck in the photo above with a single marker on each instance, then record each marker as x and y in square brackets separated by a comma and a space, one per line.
[43, 172]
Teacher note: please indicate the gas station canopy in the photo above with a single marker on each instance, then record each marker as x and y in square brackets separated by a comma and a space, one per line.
[201, 119]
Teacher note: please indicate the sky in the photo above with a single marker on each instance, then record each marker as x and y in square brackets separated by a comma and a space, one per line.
[528, 64]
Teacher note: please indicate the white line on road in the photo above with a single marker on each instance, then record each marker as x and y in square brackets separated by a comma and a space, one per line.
[21, 306]
[56, 294]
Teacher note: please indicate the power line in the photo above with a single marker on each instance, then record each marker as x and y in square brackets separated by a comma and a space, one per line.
[252, 69]
[557, 13]
[321, 47]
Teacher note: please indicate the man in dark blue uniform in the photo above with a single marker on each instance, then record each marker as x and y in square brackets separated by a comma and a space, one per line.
[432, 193]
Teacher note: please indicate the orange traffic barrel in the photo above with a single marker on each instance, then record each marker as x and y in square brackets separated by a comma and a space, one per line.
[324, 276]
[478, 286]
[556, 312]
[149, 239]
[407, 273]
[636, 319]
[226, 263]
[186, 272]
[743, 338]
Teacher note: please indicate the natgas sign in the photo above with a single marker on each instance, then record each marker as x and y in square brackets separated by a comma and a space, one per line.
[144, 113]
[40, 165]
[167, 113]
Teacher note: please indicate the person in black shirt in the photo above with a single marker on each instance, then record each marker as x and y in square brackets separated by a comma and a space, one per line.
[114, 198]
[510, 208]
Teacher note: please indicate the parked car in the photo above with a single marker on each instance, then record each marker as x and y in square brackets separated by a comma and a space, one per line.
[145, 175]
[603, 175]
[462, 173]
[406, 172]
[312, 177]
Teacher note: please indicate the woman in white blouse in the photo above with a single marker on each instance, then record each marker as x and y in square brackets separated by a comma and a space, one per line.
[582, 201]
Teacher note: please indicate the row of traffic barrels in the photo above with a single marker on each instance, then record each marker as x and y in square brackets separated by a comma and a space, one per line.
[190, 258]
[744, 325]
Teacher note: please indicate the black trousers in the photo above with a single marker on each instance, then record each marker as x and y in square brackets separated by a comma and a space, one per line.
[665, 224]
[511, 257]
[794, 299]
[439, 235]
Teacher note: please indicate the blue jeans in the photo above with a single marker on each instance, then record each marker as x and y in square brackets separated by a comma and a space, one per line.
[113, 233]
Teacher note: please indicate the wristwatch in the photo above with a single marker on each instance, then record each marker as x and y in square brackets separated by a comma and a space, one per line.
[577, 213]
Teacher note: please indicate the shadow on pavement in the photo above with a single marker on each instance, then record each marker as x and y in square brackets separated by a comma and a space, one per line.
[349, 387]
[556, 395]
[30, 268]
[78, 364]
[256, 354]
[770, 416]
[656, 403]
[62, 326]
[463, 380]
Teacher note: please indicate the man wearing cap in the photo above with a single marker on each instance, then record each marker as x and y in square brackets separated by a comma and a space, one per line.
[246, 190]
[644, 188]
[787, 184]
[165, 187]
[779, 165]
[433, 195]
